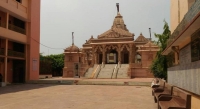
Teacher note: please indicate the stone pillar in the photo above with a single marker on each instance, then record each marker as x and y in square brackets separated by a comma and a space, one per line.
[6, 60]
[104, 56]
[119, 53]
[133, 53]
[96, 58]
[93, 57]
[130, 53]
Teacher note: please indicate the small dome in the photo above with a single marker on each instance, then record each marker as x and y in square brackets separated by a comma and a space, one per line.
[141, 38]
[72, 48]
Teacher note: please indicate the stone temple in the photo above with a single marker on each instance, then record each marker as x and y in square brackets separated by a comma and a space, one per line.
[113, 54]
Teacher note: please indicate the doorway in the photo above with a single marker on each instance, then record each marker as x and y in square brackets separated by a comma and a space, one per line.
[100, 58]
[112, 57]
[126, 58]
[18, 71]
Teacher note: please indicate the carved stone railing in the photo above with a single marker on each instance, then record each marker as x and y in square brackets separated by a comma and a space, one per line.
[16, 54]
[189, 16]
[17, 29]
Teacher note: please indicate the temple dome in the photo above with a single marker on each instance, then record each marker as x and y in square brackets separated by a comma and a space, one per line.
[141, 38]
[72, 48]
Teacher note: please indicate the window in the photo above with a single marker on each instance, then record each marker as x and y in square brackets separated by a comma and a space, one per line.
[0, 21]
[19, 1]
[195, 46]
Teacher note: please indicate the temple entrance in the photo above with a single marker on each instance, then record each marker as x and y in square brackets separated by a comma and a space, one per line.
[100, 59]
[76, 68]
[112, 57]
[126, 58]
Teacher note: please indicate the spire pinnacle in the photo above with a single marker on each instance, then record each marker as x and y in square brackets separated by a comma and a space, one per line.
[150, 33]
[117, 4]
[72, 38]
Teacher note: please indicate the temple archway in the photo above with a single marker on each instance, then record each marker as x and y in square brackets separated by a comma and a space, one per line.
[125, 56]
[112, 57]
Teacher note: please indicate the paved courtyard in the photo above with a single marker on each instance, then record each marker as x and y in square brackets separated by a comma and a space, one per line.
[46, 96]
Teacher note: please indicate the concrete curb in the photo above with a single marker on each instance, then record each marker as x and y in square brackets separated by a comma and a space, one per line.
[84, 82]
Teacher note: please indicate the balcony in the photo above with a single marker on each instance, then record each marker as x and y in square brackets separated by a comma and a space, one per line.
[17, 29]
[2, 24]
[2, 51]
[14, 7]
[16, 54]
[185, 23]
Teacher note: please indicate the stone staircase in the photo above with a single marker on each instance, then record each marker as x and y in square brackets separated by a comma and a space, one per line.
[90, 71]
[106, 71]
[122, 71]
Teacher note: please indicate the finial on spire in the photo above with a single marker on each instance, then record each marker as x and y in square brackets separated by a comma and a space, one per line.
[117, 4]
[72, 38]
[150, 33]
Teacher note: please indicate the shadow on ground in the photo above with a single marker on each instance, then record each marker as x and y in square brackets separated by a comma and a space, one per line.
[20, 87]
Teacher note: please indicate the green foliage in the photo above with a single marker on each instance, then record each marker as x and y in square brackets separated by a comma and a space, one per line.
[159, 65]
[54, 63]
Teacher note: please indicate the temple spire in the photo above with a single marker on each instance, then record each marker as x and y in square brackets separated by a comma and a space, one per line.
[72, 38]
[117, 4]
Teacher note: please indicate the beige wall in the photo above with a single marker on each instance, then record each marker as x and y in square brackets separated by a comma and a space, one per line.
[178, 9]
[195, 102]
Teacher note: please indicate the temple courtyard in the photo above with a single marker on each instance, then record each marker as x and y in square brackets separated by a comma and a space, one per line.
[55, 96]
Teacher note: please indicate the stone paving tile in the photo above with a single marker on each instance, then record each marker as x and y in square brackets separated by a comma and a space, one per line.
[46, 96]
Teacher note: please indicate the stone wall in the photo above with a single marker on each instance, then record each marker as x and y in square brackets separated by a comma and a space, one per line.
[185, 55]
[186, 76]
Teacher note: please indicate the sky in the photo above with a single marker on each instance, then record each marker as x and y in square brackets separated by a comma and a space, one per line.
[59, 18]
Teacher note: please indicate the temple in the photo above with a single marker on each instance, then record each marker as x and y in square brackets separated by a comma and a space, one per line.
[113, 54]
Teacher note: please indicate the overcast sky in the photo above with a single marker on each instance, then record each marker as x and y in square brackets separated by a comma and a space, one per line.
[59, 18]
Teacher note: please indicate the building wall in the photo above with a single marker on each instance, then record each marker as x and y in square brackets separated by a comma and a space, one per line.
[69, 65]
[34, 39]
[27, 11]
[186, 75]
[177, 11]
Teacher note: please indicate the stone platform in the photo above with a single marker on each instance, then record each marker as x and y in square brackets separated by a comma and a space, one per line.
[83, 81]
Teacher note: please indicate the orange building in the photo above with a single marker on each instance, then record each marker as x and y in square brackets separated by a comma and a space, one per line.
[19, 40]
[113, 54]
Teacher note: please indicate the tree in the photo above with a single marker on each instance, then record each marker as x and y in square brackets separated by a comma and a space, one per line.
[52, 64]
[159, 65]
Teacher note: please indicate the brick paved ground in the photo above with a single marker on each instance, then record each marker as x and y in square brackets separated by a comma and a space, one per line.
[45, 96]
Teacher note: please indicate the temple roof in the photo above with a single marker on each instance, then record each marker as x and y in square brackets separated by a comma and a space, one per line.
[141, 38]
[150, 44]
[115, 33]
[118, 29]
[72, 48]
